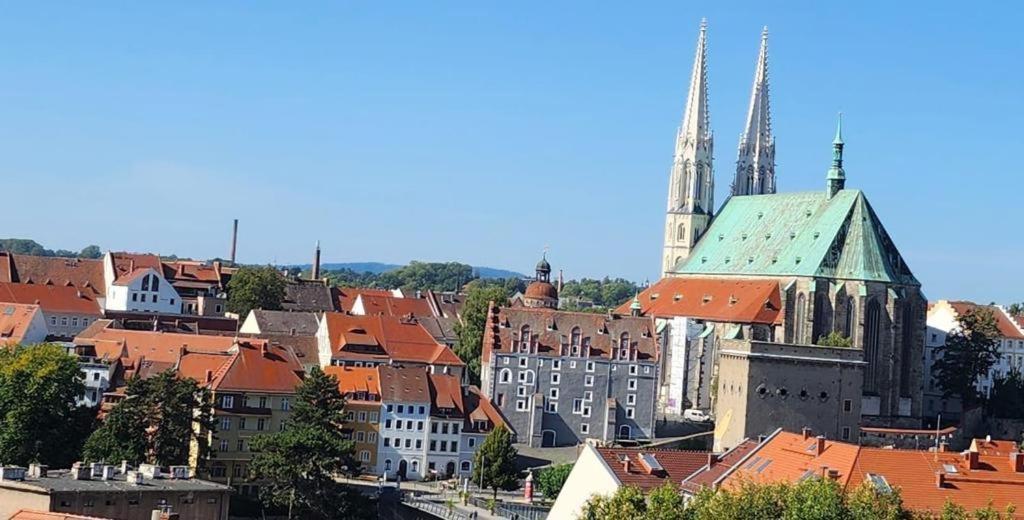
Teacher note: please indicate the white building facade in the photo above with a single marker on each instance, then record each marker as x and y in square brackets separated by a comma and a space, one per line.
[144, 290]
[403, 436]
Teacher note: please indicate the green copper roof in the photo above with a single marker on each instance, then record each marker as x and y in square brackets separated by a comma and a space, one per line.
[799, 234]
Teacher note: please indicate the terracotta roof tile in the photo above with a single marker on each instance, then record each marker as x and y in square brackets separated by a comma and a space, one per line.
[676, 465]
[392, 306]
[51, 298]
[86, 274]
[479, 408]
[15, 320]
[345, 297]
[353, 380]
[1005, 322]
[404, 384]
[397, 338]
[154, 346]
[710, 474]
[446, 394]
[994, 447]
[260, 367]
[788, 457]
[715, 299]
[29, 514]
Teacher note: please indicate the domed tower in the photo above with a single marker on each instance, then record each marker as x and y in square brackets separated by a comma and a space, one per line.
[540, 292]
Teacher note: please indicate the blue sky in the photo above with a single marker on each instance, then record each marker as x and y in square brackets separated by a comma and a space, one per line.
[485, 131]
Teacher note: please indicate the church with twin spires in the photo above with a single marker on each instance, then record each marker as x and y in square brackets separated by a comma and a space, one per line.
[838, 271]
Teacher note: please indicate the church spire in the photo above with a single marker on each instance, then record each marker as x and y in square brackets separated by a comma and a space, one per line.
[836, 179]
[691, 188]
[755, 162]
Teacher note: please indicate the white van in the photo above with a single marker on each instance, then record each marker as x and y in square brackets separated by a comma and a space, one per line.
[696, 415]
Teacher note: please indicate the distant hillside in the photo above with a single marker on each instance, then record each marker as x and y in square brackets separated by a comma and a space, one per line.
[378, 268]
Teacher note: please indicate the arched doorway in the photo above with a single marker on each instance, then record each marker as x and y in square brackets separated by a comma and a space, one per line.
[449, 470]
[547, 439]
[402, 468]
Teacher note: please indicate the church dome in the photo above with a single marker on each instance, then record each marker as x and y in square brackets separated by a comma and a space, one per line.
[543, 265]
[541, 291]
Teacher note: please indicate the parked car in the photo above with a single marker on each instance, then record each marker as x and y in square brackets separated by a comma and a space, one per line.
[696, 415]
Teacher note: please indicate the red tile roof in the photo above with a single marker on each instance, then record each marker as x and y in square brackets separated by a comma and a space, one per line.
[259, 367]
[399, 339]
[29, 514]
[392, 306]
[113, 343]
[994, 447]
[128, 263]
[1007, 327]
[446, 393]
[718, 466]
[714, 299]
[86, 274]
[552, 332]
[915, 473]
[676, 465]
[51, 298]
[345, 297]
[789, 457]
[353, 380]
[15, 320]
[404, 384]
[480, 408]
[192, 271]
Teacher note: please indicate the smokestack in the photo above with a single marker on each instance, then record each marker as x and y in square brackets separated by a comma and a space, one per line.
[316, 262]
[234, 241]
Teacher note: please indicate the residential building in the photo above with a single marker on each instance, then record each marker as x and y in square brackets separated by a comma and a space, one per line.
[85, 275]
[97, 376]
[348, 340]
[253, 387]
[719, 466]
[360, 386]
[202, 286]
[405, 397]
[67, 310]
[482, 417]
[447, 419]
[308, 296]
[602, 471]
[102, 491]
[21, 324]
[692, 316]
[345, 297]
[436, 312]
[562, 377]
[135, 282]
[943, 317]
[280, 323]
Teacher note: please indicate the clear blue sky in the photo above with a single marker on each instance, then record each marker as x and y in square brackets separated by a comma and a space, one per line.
[482, 133]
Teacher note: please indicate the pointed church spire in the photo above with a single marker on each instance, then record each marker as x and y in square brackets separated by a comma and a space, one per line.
[691, 188]
[836, 179]
[755, 162]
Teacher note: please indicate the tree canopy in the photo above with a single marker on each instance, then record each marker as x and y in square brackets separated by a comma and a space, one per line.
[255, 288]
[470, 331]
[550, 480]
[1007, 400]
[299, 463]
[157, 422]
[494, 464]
[835, 339]
[39, 417]
[24, 246]
[969, 353]
[601, 294]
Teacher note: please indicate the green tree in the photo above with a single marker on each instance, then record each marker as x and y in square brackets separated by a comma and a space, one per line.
[91, 251]
[970, 352]
[1016, 309]
[626, 503]
[1007, 399]
[835, 339]
[495, 462]
[597, 295]
[866, 502]
[300, 463]
[665, 503]
[255, 288]
[550, 480]
[158, 421]
[39, 417]
[815, 499]
[424, 276]
[470, 331]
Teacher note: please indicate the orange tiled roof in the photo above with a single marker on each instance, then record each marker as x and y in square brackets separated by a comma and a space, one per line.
[717, 468]
[188, 270]
[676, 465]
[86, 274]
[15, 320]
[30, 514]
[345, 297]
[915, 473]
[446, 392]
[259, 367]
[789, 457]
[1005, 323]
[353, 380]
[128, 263]
[994, 447]
[393, 306]
[480, 408]
[553, 329]
[155, 346]
[203, 367]
[51, 298]
[400, 339]
[715, 299]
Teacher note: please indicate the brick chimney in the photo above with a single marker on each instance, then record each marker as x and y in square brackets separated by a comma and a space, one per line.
[943, 447]
[712, 459]
[940, 480]
[626, 465]
[971, 457]
[806, 432]
[1017, 461]
[819, 446]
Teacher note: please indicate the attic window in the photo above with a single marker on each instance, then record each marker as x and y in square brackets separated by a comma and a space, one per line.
[750, 260]
[721, 237]
[767, 236]
[792, 235]
[706, 298]
[743, 236]
[677, 297]
[654, 296]
[807, 213]
[727, 259]
[798, 260]
[775, 259]
[816, 235]
[760, 214]
[703, 259]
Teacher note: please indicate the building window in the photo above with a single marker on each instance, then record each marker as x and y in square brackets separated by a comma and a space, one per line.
[263, 402]
[64, 321]
[401, 408]
[53, 321]
[371, 437]
[552, 408]
[465, 466]
[521, 405]
[847, 405]
[390, 408]
[419, 443]
[872, 334]
[433, 445]
[553, 393]
[846, 433]
[433, 427]
[556, 364]
[361, 417]
[523, 361]
[591, 366]
[285, 405]
[422, 411]
[588, 380]
[387, 465]
[524, 339]
[455, 446]
[521, 391]
[241, 444]
[415, 466]
[156, 283]
[505, 376]
[145, 283]
[631, 399]
[408, 443]
[630, 413]
[555, 378]
[135, 297]
[577, 406]
[360, 436]
[227, 401]
[632, 384]
[588, 395]
[374, 417]
[224, 445]
[584, 428]
[387, 442]
[633, 370]
[624, 341]
[364, 456]
[225, 424]
[472, 442]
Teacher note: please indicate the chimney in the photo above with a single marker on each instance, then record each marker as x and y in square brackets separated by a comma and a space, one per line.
[712, 459]
[940, 480]
[37, 470]
[79, 471]
[316, 262]
[1017, 461]
[943, 447]
[133, 477]
[107, 472]
[833, 474]
[819, 447]
[96, 470]
[149, 471]
[806, 432]
[124, 467]
[209, 376]
[972, 459]
[625, 464]
[234, 241]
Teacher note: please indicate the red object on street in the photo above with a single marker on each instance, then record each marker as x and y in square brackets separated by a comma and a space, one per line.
[528, 489]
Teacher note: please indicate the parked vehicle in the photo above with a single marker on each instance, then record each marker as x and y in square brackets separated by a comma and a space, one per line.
[696, 415]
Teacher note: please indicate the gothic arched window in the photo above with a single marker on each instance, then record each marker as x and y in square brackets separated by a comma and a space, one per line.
[801, 313]
[872, 335]
[850, 314]
[681, 233]
[820, 317]
[905, 349]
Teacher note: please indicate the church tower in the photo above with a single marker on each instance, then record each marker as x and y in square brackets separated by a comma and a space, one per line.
[691, 189]
[755, 163]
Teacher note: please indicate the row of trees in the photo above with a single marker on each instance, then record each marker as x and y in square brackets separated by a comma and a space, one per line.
[23, 246]
[811, 499]
[597, 295]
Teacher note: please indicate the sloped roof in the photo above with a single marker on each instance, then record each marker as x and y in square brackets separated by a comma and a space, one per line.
[1006, 323]
[352, 380]
[15, 320]
[709, 475]
[676, 465]
[446, 392]
[286, 322]
[790, 457]
[728, 300]
[30, 514]
[308, 296]
[345, 297]
[260, 367]
[479, 408]
[553, 329]
[86, 274]
[167, 347]
[392, 306]
[304, 348]
[126, 264]
[404, 384]
[799, 234]
[192, 271]
[994, 447]
[51, 298]
[400, 339]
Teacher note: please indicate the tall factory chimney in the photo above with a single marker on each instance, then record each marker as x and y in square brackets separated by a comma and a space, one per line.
[316, 262]
[234, 241]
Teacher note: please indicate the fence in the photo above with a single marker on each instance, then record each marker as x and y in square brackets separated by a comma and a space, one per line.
[433, 508]
[512, 510]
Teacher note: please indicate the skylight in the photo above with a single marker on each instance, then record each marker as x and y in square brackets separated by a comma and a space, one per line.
[949, 468]
[881, 485]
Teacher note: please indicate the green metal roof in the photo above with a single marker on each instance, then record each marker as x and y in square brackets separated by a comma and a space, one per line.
[799, 234]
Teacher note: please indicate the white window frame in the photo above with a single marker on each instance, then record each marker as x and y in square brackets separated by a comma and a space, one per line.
[556, 378]
[588, 395]
[553, 393]
[591, 366]
[524, 361]
[588, 380]
[634, 370]
[631, 399]
[521, 391]
[552, 408]
[522, 406]
[630, 413]
[632, 384]
[585, 428]
[556, 364]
